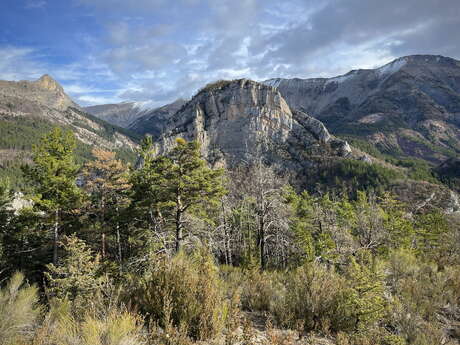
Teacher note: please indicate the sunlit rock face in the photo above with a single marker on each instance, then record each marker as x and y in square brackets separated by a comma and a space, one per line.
[236, 120]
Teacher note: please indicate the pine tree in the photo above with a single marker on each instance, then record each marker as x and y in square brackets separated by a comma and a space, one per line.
[53, 177]
[366, 303]
[76, 276]
[430, 230]
[175, 184]
[106, 181]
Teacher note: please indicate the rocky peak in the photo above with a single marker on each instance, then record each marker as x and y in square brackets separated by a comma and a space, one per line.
[234, 120]
[47, 83]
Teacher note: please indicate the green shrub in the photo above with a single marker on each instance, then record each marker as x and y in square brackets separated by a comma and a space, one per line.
[186, 292]
[313, 296]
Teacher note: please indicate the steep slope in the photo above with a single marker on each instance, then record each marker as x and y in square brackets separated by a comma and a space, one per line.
[236, 120]
[137, 116]
[154, 121]
[119, 114]
[28, 109]
[407, 108]
[239, 121]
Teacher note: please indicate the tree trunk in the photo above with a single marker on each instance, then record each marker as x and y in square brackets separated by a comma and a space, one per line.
[55, 237]
[178, 225]
[118, 239]
[178, 234]
[262, 248]
[103, 246]
[227, 249]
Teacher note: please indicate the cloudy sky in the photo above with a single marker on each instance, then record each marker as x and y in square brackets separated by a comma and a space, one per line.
[105, 51]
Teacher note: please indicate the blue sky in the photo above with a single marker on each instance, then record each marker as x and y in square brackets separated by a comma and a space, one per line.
[105, 51]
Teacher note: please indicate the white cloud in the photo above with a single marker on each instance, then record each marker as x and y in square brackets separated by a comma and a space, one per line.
[159, 50]
[87, 100]
[34, 4]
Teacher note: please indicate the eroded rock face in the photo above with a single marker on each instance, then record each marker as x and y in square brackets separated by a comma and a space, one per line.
[236, 120]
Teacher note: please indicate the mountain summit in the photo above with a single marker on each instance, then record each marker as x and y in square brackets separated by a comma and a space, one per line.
[236, 120]
[410, 106]
[48, 83]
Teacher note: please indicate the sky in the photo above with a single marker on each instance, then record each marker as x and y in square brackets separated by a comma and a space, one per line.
[155, 51]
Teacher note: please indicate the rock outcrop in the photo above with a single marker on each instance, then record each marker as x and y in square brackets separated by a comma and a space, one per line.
[236, 120]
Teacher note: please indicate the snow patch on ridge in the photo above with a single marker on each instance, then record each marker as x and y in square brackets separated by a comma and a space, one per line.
[391, 67]
[145, 105]
[273, 82]
[340, 79]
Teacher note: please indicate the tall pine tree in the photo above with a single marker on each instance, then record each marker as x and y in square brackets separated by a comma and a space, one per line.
[53, 177]
[175, 184]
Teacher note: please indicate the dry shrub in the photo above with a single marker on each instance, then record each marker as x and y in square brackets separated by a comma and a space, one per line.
[19, 311]
[111, 327]
[314, 297]
[259, 290]
[185, 291]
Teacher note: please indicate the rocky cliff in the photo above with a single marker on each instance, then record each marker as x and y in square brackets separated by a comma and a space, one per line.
[236, 120]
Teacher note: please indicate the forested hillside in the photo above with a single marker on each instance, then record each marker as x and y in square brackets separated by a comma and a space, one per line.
[176, 252]
[29, 109]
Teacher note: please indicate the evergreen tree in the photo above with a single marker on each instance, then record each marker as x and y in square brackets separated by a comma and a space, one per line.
[366, 303]
[76, 276]
[430, 230]
[53, 177]
[172, 185]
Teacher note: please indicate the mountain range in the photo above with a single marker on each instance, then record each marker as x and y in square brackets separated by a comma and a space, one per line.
[396, 127]
[409, 107]
[28, 109]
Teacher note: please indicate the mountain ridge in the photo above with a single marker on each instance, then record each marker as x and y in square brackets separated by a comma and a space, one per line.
[407, 105]
[29, 109]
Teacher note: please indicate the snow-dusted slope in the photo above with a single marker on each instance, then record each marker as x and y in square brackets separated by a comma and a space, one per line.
[120, 114]
[409, 101]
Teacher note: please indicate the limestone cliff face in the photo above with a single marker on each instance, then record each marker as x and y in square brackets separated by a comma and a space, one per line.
[235, 120]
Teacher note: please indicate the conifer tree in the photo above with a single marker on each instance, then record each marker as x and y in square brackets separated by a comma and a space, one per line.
[366, 303]
[76, 276]
[175, 184]
[53, 177]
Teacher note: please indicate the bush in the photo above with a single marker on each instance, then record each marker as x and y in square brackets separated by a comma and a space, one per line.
[259, 290]
[76, 276]
[185, 292]
[113, 326]
[19, 310]
[314, 297]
